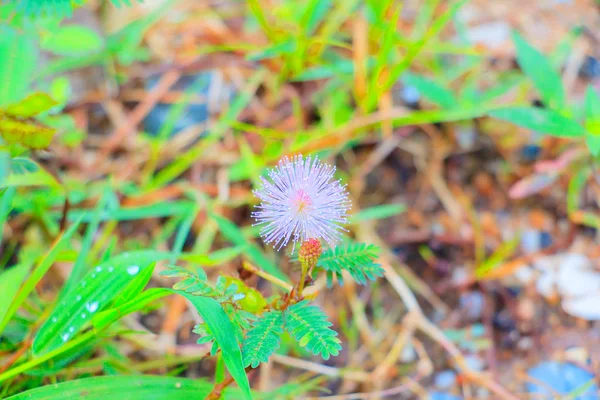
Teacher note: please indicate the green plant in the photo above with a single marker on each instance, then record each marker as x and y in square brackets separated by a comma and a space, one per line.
[300, 202]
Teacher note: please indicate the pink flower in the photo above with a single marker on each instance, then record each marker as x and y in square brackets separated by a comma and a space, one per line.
[301, 201]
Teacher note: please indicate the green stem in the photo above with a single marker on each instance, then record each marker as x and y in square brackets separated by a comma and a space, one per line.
[302, 279]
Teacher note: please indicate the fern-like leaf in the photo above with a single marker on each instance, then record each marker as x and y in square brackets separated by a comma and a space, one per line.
[263, 339]
[356, 258]
[309, 326]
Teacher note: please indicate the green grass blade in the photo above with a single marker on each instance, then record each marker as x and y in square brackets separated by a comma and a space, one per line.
[38, 272]
[6, 198]
[537, 67]
[10, 282]
[378, 212]
[164, 209]
[107, 317]
[18, 62]
[136, 285]
[221, 328]
[541, 120]
[122, 387]
[182, 233]
[79, 267]
[431, 90]
[592, 121]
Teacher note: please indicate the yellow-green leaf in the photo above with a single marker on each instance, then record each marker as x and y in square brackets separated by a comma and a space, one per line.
[26, 133]
[32, 105]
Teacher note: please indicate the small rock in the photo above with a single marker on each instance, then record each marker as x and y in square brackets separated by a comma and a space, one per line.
[208, 84]
[472, 303]
[474, 362]
[590, 68]
[408, 354]
[524, 274]
[445, 379]
[410, 96]
[545, 239]
[460, 276]
[525, 343]
[504, 321]
[466, 136]
[531, 241]
[530, 152]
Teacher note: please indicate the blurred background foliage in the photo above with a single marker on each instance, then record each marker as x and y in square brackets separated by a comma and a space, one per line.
[467, 132]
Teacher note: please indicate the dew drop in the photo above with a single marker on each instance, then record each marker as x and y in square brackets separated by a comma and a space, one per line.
[77, 298]
[92, 307]
[178, 385]
[54, 319]
[93, 275]
[98, 269]
[110, 269]
[133, 269]
[83, 315]
[71, 329]
[65, 337]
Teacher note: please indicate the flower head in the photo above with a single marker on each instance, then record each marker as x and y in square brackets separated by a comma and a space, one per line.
[301, 201]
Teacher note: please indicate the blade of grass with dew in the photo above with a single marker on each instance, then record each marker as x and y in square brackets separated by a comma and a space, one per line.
[185, 160]
[254, 253]
[105, 318]
[95, 292]
[38, 272]
[221, 327]
[101, 322]
[135, 286]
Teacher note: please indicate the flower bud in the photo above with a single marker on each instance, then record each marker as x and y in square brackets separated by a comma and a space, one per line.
[309, 253]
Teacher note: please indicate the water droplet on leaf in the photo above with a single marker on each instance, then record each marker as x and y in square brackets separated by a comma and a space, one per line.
[133, 269]
[92, 307]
